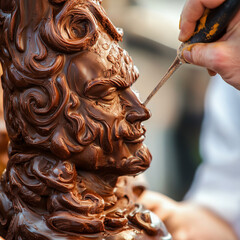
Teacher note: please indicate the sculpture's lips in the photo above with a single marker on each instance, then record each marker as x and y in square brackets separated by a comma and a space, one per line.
[134, 140]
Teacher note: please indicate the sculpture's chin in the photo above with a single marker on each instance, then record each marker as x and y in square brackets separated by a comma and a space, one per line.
[138, 162]
[133, 159]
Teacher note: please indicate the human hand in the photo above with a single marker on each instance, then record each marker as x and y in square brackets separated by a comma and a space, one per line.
[186, 221]
[223, 56]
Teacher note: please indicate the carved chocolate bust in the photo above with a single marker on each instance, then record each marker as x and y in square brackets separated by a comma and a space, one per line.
[74, 125]
[3, 137]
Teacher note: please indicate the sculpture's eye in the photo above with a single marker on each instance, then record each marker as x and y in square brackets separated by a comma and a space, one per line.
[105, 92]
[109, 95]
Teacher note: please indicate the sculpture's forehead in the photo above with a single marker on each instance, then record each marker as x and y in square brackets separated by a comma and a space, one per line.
[86, 66]
[89, 68]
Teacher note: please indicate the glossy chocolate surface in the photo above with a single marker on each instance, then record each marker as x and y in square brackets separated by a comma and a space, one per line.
[3, 136]
[74, 123]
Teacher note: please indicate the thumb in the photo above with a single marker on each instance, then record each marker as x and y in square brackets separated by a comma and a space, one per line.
[200, 54]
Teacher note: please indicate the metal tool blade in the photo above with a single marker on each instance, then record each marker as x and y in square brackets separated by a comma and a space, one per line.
[175, 65]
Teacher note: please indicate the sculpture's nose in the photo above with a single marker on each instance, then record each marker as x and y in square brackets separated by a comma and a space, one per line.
[137, 112]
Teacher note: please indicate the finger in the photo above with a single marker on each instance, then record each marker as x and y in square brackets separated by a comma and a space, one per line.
[158, 203]
[189, 17]
[181, 235]
[211, 72]
[192, 12]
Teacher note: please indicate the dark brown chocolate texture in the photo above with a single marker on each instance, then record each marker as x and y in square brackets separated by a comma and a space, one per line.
[74, 126]
[3, 135]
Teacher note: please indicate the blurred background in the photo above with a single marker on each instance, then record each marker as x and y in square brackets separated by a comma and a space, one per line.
[151, 38]
[151, 33]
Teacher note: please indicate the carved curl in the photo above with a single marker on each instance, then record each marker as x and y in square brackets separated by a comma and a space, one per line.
[7, 5]
[72, 29]
[36, 80]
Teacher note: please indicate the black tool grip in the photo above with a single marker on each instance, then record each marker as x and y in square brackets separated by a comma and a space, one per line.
[212, 26]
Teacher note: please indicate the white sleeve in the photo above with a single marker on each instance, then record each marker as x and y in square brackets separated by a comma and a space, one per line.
[217, 181]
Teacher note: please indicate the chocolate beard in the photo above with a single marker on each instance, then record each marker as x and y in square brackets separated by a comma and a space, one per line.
[138, 163]
[132, 136]
[50, 201]
[51, 194]
[119, 148]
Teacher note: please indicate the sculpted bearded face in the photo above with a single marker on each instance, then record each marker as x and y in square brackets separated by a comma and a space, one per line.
[116, 111]
[102, 77]
[71, 94]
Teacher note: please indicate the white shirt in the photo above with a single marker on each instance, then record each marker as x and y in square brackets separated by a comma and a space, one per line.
[217, 182]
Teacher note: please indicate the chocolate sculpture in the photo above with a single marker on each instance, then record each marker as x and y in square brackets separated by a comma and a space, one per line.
[3, 137]
[74, 126]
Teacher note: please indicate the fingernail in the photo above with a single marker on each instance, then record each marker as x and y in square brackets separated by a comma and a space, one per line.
[180, 22]
[187, 55]
[181, 36]
[211, 73]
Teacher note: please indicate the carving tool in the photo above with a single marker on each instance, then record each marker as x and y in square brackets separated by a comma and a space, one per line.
[210, 28]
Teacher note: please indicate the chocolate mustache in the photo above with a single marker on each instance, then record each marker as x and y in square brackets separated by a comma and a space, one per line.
[129, 132]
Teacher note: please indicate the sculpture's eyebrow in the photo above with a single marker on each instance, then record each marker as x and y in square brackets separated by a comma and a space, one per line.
[117, 82]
